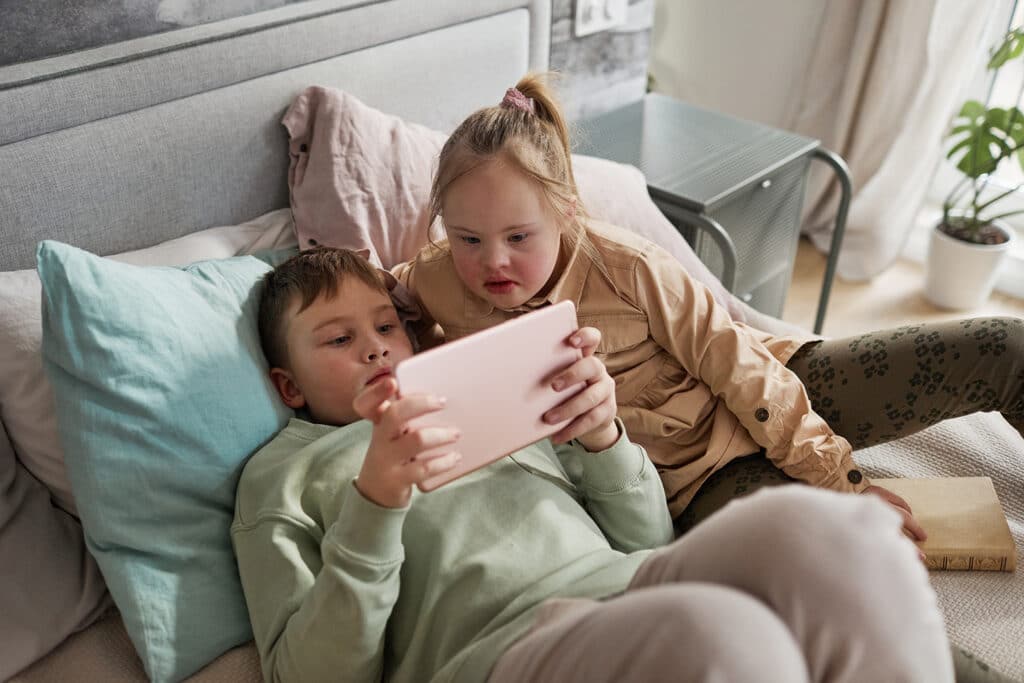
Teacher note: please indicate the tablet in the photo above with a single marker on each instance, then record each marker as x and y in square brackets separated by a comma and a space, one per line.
[497, 383]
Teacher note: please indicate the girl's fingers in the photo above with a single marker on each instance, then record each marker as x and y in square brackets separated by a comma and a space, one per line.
[586, 400]
[900, 503]
[586, 339]
[912, 527]
[588, 369]
[571, 431]
[889, 497]
[586, 423]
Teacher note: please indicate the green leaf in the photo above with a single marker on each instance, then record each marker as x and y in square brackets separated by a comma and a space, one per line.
[982, 137]
[1011, 47]
[972, 109]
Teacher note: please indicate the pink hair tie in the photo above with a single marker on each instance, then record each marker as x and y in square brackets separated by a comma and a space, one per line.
[514, 99]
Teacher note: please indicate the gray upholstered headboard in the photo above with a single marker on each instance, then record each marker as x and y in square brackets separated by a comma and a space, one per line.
[128, 145]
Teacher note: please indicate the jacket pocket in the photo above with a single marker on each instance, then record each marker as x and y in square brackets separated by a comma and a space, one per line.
[619, 334]
[669, 381]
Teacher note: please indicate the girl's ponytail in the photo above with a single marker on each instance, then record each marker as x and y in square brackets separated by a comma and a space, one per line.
[535, 86]
[528, 130]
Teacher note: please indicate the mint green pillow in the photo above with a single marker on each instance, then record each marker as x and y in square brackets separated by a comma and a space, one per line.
[161, 395]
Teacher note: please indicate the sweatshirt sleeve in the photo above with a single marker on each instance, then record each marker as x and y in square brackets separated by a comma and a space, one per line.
[622, 492]
[319, 607]
[766, 396]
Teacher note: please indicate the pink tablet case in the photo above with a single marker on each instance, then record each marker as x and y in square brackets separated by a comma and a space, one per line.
[497, 383]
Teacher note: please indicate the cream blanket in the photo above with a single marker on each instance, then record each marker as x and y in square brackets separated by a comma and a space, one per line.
[984, 610]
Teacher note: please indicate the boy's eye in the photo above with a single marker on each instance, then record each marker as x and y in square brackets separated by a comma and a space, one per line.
[518, 237]
[385, 328]
[339, 341]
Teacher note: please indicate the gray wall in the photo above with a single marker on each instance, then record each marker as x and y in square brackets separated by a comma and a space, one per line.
[603, 70]
[44, 28]
[600, 71]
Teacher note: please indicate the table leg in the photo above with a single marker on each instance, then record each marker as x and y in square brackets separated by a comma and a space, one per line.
[713, 228]
[842, 172]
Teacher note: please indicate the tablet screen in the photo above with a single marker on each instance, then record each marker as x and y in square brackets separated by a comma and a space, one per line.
[497, 384]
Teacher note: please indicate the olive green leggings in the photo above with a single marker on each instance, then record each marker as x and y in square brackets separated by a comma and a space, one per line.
[885, 385]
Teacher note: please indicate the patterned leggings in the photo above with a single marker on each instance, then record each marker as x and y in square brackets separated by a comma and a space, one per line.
[884, 385]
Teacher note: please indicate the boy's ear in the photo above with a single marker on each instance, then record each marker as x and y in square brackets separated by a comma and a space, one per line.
[287, 388]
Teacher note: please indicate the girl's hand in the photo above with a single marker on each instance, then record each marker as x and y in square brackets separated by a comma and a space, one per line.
[592, 410]
[394, 462]
[911, 527]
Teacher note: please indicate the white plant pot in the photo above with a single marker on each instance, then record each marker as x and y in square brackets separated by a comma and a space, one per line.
[960, 275]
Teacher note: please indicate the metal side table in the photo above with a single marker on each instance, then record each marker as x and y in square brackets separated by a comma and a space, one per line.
[734, 189]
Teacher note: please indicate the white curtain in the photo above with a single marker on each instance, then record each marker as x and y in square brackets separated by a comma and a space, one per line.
[876, 81]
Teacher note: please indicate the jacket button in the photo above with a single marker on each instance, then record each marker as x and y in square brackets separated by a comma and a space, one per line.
[303, 148]
[761, 414]
[854, 476]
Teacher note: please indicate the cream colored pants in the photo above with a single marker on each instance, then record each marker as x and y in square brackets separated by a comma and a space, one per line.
[790, 584]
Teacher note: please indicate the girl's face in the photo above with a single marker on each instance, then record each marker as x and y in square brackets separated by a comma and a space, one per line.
[504, 236]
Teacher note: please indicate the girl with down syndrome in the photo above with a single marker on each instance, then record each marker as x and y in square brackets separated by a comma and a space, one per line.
[710, 399]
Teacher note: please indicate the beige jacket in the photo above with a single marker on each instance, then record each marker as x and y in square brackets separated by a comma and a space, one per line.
[694, 388]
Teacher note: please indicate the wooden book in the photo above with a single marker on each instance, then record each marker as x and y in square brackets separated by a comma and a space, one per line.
[965, 524]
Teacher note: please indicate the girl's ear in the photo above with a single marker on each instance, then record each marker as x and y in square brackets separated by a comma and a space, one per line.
[570, 211]
[286, 387]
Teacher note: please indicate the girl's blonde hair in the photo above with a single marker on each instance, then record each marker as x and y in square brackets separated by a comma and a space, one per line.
[535, 142]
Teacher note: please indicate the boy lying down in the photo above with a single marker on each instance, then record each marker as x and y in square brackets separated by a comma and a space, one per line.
[555, 563]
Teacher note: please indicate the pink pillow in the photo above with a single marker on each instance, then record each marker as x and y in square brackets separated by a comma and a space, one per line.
[360, 179]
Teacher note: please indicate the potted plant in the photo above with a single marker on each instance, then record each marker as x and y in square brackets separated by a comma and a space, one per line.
[970, 242]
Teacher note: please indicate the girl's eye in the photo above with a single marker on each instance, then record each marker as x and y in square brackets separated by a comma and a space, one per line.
[470, 240]
[518, 237]
[339, 341]
[386, 328]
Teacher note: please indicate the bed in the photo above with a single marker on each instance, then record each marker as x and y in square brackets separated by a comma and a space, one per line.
[170, 149]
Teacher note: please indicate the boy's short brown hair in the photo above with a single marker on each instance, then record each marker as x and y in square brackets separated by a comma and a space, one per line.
[306, 276]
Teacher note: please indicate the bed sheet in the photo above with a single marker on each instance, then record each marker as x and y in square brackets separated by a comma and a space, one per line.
[984, 610]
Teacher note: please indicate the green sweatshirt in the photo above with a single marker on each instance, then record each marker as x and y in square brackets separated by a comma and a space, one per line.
[342, 589]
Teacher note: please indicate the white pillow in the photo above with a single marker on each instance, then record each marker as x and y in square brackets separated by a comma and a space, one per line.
[26, 398]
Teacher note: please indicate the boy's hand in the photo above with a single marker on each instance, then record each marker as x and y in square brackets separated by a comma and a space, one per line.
[394, 462]
[592, 410]
[911, 527]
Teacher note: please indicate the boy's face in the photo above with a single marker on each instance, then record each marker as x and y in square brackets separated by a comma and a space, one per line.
[338, 346]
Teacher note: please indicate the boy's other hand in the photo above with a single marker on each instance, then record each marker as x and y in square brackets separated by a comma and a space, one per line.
[592, 410]
[394, 461]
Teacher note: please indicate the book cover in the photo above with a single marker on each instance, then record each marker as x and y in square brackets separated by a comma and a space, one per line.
[966, 526]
